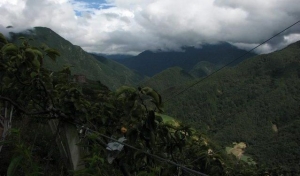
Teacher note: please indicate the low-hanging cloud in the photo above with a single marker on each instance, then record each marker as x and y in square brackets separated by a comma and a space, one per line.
[129, 27]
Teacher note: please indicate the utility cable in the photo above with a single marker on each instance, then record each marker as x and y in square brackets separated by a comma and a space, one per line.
[142, 151]
[247, 52]
[154, 156]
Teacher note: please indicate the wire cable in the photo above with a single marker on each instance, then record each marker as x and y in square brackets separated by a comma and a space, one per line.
[142, 151]
[247, 52]
[154, 156]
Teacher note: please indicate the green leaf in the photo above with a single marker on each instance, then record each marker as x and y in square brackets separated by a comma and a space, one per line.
[52, 53]
[14, 164]
[158, 118]
[156, 98]
[29, 53]
[33, 74]
[9, 49]
[150, 92]
[124, 89]
[36, 63]
[37, 53]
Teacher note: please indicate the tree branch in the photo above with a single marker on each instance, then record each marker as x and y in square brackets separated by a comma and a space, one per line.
[57, 113]
[17, 106]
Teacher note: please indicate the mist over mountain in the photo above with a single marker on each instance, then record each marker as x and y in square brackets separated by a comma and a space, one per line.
[114, 56]
[150, 63]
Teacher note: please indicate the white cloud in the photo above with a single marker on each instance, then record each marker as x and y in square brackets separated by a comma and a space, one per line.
[119, 26]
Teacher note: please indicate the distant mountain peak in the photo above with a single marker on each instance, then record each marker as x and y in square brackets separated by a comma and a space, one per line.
[146, 52]
[108, 71]
[150, 63]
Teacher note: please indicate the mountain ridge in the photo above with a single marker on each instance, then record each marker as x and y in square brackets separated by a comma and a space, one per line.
[168, 78]
[150, 63]
[80, 61]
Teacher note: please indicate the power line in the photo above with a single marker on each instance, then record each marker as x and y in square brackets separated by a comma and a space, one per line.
[147, 153]
[247, 52]
[152, 155]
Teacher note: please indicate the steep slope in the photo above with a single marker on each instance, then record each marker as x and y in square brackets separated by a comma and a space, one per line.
[125, 75]
[108, 72]
[150, 63]
[256, 102]
[168, 78]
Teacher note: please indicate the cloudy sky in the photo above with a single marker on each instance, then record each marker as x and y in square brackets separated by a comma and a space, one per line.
[132, 26]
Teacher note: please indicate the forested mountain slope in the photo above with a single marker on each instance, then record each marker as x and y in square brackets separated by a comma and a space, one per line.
[150, 63]
[168, 78]
[107, 71]
[246, 103]
[204, 68]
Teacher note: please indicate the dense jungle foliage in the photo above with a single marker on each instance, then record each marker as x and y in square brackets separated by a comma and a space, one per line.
[244, 104]
[36, 95]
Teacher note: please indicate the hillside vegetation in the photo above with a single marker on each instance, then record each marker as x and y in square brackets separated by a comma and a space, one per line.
[204, 68]
[256, 102]
[168, 78]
